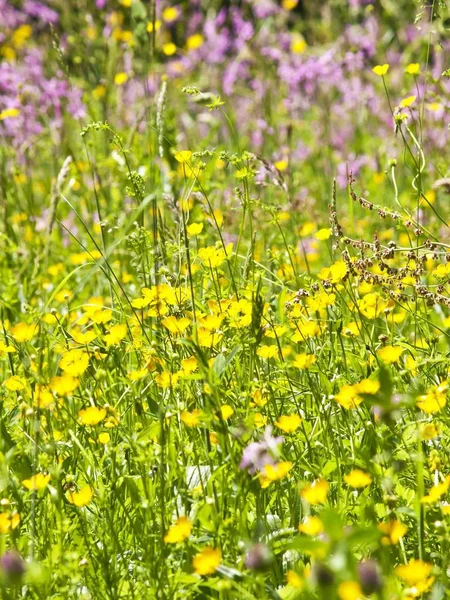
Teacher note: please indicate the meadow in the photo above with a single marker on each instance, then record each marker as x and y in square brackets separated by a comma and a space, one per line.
[224, 299]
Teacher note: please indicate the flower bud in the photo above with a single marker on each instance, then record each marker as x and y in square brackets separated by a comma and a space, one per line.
[12, 566]
[323, 575]
[259, 557]
[370, 577]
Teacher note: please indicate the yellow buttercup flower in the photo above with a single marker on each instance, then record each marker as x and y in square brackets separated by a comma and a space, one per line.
[275, 472]
[316, 493]
[192, 419]
[194, 229]
[226, 411]
[416, 571]
[15, 383]
[179, 532]
[288, 423]
[64, 385]
[74, 362]
[176, 326]
[358, 479]
[311, 526]
[434, 400]
[36, 482]
[92, 415]
[82, 497]
[350, 590]
[207, 561]
[323, 234]
[120, 78]
[413, 69]
[390, 354]
[267, 351]
[437, 491]
[381, 70]
[304, 361]
[23, 332]
[115, 335]
[294, 580]
[406, 102]
[194, 41]
[393, 531]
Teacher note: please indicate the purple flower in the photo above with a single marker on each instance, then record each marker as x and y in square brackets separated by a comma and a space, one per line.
[40, 11]
[12, 566]
[259, 454]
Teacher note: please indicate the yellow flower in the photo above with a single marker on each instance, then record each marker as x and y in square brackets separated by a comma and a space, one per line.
[92, 415]
[15, 383]
[136, 375]
[9, 522]
[311, 526]
[166, 379]
[416, 571]
[83, 338]
[393, 531]
[390, 354]
[323, 234]
[214, 257]
[120, 78]
[316, 493]
[298, 46]
[116, 334]
[207, 561]
[104, 438]
[81, 498]
[64, 385]
[351, 329]
[350, 590]
[42, 396]
[6, 349]
[429, 431]
[182, 156]
[23, 332]
[226, 411]
[381, 70]
[274, 472]
[348, 397]
[176, 326]
[260, 420]
[434, 399]
[304, 361]
[411, 365]
[194, 228]
[372, 305]
[192, 419]
[9, 113]
[289, 4]
[267, 351]
[288, 423]
[189, 365]
[294, 580]
[169, 48]
[74, 362]
[194, 41]
[335, 273]
[150, 27]
[179, 532]
[170, 13]
[36, 482]
[358, 479]
[413, 69]
[407, 101]
[437, 491]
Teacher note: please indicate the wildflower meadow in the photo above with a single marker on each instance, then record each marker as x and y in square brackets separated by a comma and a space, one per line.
[224, 299]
